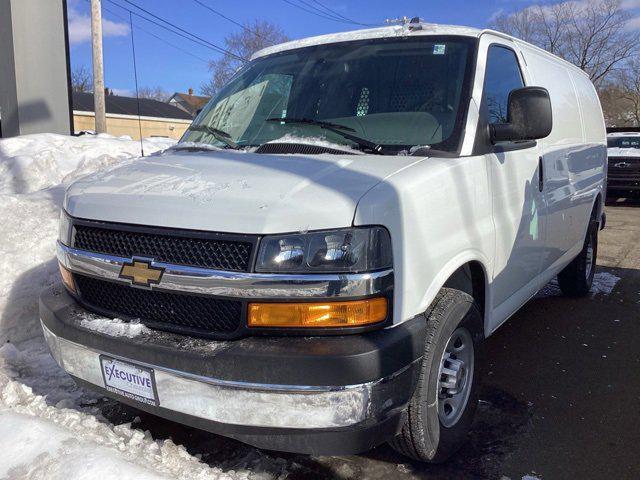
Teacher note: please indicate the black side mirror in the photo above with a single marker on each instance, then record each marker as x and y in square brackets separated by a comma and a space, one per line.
[529, 115]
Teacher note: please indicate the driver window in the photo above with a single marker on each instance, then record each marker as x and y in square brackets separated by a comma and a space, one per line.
[502, 75]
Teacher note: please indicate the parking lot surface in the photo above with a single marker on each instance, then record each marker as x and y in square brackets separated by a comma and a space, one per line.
[561, 397]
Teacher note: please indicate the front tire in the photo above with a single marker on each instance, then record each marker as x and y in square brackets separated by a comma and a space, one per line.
[440, 413]
[577, 277]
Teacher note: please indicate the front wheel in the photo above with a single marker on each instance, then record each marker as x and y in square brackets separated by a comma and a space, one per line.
[441, 410]
[577, 277]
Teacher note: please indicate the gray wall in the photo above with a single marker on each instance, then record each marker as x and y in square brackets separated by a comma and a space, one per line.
[34, 81]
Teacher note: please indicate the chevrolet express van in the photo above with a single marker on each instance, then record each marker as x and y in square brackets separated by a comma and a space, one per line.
[319, 259]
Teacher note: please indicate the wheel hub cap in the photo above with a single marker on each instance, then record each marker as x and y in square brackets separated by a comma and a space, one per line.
[456, 377]
[589, 259]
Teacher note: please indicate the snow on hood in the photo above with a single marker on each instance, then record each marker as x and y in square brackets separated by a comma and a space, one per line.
[230, 191]
[316, 142]
[623, 152]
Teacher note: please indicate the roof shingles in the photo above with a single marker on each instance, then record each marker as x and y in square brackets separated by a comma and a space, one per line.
[116, 104]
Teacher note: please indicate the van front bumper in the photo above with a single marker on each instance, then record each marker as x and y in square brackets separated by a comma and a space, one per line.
[316, 395]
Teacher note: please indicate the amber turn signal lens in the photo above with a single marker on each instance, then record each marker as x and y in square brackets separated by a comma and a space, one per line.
[67, 278]
[318, 315]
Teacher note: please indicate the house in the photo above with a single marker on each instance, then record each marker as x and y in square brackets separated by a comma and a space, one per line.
[188, 102]
[157, 119]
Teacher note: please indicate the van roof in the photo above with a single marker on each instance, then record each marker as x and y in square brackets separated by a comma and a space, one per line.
[400, 30]
[371, 33]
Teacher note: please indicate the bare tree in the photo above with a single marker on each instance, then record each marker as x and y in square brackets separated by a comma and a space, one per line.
[154, 93]
[81, 80]
[591, 34]
[629, 84]
[253, 37]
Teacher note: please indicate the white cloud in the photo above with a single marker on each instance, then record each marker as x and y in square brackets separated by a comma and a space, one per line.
[630, 4]
[80, 28]
[633, 24]
[123, 92]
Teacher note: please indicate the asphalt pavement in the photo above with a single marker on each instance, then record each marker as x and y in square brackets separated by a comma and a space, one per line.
[560, 400]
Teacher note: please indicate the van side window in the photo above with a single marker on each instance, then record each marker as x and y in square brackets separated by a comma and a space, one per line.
[502, 75]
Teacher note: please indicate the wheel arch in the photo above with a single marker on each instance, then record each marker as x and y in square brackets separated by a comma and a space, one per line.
[467, 272]
[598, 207]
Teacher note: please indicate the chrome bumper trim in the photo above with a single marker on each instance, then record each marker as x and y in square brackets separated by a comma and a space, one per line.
[237, 403]
[233, 284]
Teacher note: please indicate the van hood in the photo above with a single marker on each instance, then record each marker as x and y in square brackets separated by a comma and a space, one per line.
[623, 152]
[234, 192]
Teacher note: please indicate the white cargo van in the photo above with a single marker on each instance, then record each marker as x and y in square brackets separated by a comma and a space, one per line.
[320, 258]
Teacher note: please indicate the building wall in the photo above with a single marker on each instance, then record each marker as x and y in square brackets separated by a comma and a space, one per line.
[34, 88]
[121, 125]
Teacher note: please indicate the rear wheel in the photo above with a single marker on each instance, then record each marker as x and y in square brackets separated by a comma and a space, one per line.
[577, 277]
[441, 410]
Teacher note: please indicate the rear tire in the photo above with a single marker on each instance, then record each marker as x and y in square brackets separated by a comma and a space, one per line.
[440, 413]
[577, 277]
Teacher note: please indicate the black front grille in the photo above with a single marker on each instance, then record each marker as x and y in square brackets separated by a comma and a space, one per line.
[184, 250]
[299, 148]
[169, 311]
[624, 165]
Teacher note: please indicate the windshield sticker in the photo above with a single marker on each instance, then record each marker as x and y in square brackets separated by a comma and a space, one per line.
[439, 49]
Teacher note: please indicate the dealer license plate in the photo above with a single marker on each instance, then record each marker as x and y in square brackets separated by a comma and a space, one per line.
[129, 380]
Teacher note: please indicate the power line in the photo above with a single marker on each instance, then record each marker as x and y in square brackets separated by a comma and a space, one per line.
[135, 74]
[194, 40]
[327, 13]
[204, 5]
[338, 14]
[186, 52]
[214, 46]
[312, 12]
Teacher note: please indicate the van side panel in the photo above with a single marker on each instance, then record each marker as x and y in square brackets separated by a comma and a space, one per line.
[574, 155]
[592, 174]
[438, 212]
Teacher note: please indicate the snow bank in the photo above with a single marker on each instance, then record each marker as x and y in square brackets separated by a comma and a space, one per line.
[33, 162]
[34, 170]
[49, 427]
[52, 436]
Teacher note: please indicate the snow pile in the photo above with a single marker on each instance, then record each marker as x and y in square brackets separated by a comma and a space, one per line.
[50, 428]
[34, 162]
[316, 142]
[114, 327]
[34, 170]
[603, 283]
[53, 441]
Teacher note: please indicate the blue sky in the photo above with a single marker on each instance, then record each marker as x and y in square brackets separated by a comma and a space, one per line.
[173, 70]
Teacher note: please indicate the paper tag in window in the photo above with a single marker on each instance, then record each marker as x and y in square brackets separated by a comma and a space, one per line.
[439, 49]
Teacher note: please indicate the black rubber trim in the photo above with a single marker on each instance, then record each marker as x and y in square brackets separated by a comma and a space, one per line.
[314, 361]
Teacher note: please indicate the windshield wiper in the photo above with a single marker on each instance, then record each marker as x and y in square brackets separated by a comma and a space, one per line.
[219, 135]
[341, 130]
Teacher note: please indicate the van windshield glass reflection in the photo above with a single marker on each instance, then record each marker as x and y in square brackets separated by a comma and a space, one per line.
[392, 93]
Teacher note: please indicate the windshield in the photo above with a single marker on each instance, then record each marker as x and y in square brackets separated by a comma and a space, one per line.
[624, 142]
[387, 94]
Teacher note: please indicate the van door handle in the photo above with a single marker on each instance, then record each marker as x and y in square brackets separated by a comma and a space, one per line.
[540, 174]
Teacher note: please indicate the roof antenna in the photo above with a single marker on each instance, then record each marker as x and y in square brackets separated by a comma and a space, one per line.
[135, 73]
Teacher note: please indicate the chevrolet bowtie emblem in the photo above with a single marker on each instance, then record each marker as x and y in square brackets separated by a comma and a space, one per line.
[140, 272]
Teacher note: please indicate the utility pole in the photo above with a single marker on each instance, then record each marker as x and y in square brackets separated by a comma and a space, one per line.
[98, 70]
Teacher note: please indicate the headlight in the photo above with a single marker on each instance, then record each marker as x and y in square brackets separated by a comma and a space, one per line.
[64, 233]
[336, 251]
